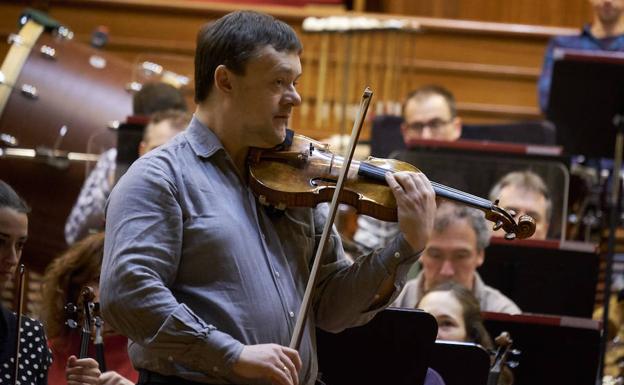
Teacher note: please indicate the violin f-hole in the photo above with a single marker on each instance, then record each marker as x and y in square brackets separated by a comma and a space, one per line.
[322, 182]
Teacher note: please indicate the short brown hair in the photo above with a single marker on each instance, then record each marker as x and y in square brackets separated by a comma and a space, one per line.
[527, 180]
[427, 91]
[232, 40]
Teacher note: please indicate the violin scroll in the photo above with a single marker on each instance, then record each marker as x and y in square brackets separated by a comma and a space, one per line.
[523, 228]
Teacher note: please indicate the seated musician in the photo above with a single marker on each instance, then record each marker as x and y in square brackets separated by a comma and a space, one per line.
[87, 215]
[525, 193]
[429, 112]
[458, 315]
[63, 280]
[204, 281]
[35, 357]
[453, 253]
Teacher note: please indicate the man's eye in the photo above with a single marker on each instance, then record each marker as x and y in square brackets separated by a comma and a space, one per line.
[434, 255]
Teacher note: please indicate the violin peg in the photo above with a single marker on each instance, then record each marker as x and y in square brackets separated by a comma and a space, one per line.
[497, 225]
[263, 201]
[513, 364]
[513, 213]
[496, 202]
[510, 236]
[72, 324]
[515, 352]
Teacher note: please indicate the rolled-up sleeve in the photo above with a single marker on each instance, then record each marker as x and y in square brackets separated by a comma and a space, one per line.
[142, 253]
[346, 292]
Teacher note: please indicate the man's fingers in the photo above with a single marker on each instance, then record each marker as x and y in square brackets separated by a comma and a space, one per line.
[290, 368]
[280, 376]
[294, 357]
[395, 187]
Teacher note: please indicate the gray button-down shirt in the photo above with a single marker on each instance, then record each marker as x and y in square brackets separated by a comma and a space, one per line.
[194, 268]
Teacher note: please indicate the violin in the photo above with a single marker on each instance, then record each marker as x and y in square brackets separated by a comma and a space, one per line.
[303, 172]
[87, 309]
[497, 369]
[99, 338]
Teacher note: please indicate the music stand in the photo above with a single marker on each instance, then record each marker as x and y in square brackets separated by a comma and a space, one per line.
[460, 363]
[554, 350]
[587, 106]
[546, 277]
[393, 348]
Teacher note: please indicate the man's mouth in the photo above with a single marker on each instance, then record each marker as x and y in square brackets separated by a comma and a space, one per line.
[282, 116]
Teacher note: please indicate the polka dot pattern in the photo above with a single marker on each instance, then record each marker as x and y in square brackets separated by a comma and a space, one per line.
[34, 357]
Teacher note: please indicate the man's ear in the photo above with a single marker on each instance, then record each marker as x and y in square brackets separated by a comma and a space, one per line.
[480, 257]
[403, 131]
[142, 148]
[457, 127]
[223, 79]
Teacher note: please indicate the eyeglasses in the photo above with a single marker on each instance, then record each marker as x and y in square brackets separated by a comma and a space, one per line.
[434, 124]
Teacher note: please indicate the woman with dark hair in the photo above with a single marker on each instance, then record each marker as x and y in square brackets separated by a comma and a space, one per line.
[34, 356]
[458, 314]
[63, 281]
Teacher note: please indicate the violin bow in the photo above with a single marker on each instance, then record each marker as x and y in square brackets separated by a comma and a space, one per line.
[21, 270]
[305, 304]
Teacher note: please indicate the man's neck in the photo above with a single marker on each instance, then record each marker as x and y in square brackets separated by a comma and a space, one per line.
[230, 136]
[601, 30]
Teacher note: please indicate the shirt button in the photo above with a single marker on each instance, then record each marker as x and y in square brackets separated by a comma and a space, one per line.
[215, 368]
[277, 274]
[397, 255]
[262, 236]
[291, 314]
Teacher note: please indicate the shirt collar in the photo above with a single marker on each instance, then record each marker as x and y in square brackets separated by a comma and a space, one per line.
[586, 31]
[203, 141]
[479, 287]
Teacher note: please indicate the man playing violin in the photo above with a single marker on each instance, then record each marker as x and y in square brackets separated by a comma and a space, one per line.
[204, 281]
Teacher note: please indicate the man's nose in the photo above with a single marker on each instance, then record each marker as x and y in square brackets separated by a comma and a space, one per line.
[426, 133]
[447, 269]
[292, 97]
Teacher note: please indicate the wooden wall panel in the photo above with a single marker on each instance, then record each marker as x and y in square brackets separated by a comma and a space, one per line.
[569, 13]
[492, 68]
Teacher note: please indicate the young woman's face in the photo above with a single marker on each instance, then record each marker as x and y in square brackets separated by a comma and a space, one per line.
[448, 312]
[13, 235]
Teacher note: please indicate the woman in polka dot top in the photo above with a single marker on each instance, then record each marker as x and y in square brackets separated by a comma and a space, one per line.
[34, 356]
